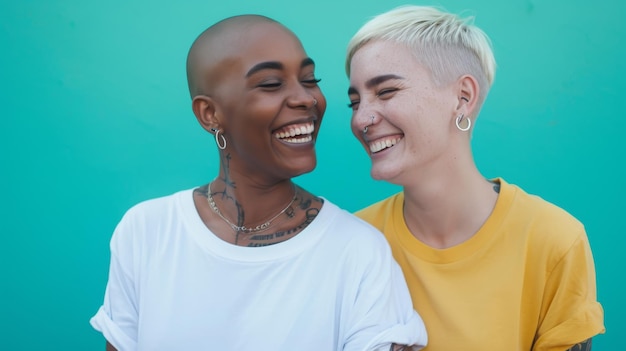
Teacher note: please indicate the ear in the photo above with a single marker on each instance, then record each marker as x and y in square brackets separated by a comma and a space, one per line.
[468, 92]
[204, 108]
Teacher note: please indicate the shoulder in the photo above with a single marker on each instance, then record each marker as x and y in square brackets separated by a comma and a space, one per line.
[541, 214]
[149, 217]
[352, 230]
[379, 212]
[547, 225]
[156, 208]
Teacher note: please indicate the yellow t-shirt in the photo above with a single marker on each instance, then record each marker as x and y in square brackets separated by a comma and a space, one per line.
[525, 281]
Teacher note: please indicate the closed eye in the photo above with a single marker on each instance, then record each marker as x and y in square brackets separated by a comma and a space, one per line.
[312, 82]
[270, 85]
[354, 104]
[386, 91]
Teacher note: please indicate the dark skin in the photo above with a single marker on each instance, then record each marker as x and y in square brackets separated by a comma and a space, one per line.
[297, 217]
[253, 87]
[263, 98]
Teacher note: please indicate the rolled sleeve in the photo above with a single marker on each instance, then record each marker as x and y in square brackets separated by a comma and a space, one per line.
[103, 323]
[117, 318]
[571, 312]
[384, 313]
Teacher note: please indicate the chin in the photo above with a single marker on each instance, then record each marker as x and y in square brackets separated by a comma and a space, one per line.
[376, 176]
[386, 174]
[304, 168]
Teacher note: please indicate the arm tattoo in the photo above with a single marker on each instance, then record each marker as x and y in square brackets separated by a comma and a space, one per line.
[583, 346]
[496, 186]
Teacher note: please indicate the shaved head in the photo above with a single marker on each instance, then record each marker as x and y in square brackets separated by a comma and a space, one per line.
[252, 85]
[213, 48]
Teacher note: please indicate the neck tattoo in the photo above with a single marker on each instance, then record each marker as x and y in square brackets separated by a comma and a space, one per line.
[243, 228]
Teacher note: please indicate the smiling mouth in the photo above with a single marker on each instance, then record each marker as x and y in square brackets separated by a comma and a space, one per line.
[383, 143]
[296, 133]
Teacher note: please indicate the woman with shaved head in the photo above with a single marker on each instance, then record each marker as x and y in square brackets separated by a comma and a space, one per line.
[252, 261]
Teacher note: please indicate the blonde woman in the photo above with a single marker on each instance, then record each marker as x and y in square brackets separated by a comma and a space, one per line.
[489, 266]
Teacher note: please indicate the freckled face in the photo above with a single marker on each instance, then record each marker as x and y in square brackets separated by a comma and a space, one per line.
[412, 127]
[266, 103]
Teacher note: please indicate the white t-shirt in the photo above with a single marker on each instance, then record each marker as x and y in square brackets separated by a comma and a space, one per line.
[174, 285]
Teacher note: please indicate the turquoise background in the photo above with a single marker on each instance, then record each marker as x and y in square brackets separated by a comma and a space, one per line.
[95, 117]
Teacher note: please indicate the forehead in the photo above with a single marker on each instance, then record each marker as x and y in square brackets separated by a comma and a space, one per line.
[261, 42]
[383, 57]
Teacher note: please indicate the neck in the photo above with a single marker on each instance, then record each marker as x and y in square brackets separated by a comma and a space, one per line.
[445, 211]
[250, 209]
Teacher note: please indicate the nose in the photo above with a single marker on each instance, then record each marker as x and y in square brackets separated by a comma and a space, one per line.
[362, 122]
[307, 102]
[302, 98]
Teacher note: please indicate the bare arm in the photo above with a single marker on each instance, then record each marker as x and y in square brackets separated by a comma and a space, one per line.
[110, 347]
[583, 346]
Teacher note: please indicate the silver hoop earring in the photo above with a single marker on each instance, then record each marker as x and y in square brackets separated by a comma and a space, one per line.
[221, 145]
[458, 120]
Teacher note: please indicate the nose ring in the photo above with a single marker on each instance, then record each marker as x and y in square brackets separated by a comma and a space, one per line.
[314, 102]
[372, 123]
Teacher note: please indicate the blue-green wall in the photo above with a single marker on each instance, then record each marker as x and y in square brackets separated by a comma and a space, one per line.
[94, 117]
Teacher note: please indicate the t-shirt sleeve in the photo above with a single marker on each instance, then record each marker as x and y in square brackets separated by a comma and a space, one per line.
[571, 313]
[117, 318]
[382, 311]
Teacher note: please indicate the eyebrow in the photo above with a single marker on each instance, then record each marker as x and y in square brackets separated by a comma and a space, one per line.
[307, 62]
[372, 82]
[276, 65]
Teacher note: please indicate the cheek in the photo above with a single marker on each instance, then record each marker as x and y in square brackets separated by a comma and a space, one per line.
[321, 104]
[247, 122]
[321, 99]
[260, 110]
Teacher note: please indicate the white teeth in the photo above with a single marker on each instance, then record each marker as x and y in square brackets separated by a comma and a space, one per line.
[288, 134]
[304, 139]
[379, 145]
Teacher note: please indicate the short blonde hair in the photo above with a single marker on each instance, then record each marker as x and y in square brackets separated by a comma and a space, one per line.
[448, 45]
